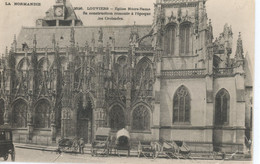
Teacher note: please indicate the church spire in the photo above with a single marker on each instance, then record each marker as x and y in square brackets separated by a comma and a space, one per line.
[93, 42]
[239, 52]
[34, 42]
[53, 42]
[72, 36]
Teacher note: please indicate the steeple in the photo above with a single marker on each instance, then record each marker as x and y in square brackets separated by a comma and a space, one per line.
[53, 42]
[34, 42]
[100, 38]
[14, 43]
[72, 36]
[93, 42]
[239, 52]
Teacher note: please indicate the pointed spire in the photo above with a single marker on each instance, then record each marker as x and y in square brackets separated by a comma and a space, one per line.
[100, 32]
[72, 36]
[239, 51]
[34, 41]
[6, 51]
[210, 31]
[179, 14]
[86, 46]
[46, 59]
[53, 41]
[25, 58]
[93, 42]
[14, 43]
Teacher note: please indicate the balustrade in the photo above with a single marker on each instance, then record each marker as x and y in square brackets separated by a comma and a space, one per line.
[192, 73]
[223, 71]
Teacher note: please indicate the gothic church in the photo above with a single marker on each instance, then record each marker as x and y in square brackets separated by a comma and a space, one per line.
[169, 80]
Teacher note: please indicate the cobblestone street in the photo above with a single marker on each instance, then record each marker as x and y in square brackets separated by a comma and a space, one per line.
[27, 155]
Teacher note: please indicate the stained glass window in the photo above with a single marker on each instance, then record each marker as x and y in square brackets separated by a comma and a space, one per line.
[169, 42]
[185, 38]
[20, 114]
[42, 115]
[141, 118]
[181, 105]
[143, 74]
[222, 107]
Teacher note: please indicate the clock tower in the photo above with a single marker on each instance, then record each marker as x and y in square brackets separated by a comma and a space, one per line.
[60, 14]
[59, 9]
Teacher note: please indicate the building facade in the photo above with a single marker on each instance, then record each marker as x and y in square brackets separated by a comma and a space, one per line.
[169, 80]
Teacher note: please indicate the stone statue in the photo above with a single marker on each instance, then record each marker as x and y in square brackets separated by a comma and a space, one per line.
[29, 117]
[6, 117]
[52, 117]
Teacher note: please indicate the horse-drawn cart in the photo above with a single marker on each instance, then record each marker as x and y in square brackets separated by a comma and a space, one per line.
[146, 148]
[173, 149]
[100, 145]
[68, 145]
[122, 141]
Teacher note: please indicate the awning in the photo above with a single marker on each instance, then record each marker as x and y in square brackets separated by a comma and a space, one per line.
[122, 132]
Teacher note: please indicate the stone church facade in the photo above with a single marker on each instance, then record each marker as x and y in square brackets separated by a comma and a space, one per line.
[169, 80]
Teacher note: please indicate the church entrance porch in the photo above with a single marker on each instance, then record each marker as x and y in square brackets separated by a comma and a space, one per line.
[85, 119]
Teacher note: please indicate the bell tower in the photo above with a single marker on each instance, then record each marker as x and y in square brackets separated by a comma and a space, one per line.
[60, 14]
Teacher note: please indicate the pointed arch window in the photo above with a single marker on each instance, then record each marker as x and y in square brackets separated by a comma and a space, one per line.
[222, 107]
[169, 41]
[185, 38]
[42, 114]
[20, 114]
[117, 118]
[144, 75]
[141, 118]
[181, 106]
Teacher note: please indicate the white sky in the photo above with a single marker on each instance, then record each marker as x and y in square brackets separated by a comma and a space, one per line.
[238, 13]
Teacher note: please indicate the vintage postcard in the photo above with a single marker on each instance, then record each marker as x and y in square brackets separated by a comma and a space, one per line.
[120, 81]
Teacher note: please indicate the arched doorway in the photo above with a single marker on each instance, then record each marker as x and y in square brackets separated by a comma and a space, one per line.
[2, 110]
[42, 114]
[116, 118]
[84, 118]
[20, 108]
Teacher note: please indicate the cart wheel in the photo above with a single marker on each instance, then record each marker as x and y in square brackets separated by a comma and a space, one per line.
[6, 157]
[153, 155]
[186, 156]
[13, 155]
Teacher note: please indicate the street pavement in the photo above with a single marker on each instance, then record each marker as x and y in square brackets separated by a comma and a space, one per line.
[30, 155]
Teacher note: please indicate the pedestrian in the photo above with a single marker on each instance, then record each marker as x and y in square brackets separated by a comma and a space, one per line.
[249, 145]
[81, 145]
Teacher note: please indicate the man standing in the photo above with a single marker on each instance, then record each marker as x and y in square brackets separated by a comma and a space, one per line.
[81, 145]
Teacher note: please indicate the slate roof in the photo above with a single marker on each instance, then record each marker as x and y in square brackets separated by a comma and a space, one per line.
[44, 35]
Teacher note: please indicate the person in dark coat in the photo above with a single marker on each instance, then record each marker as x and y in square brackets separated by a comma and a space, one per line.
[81, 145]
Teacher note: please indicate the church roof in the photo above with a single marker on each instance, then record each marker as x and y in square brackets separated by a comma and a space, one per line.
[44, 35]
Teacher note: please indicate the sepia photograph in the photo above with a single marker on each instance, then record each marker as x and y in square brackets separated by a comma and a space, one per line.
[119, 81]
